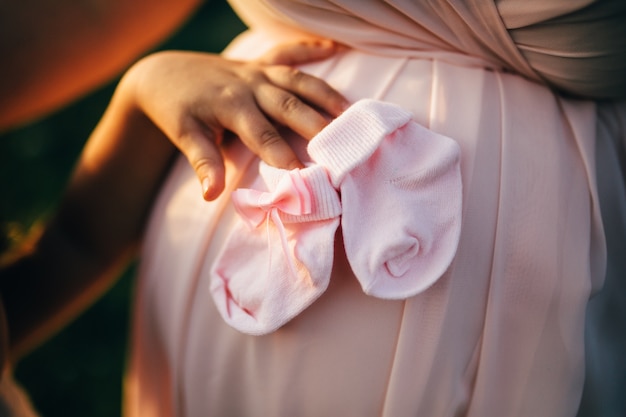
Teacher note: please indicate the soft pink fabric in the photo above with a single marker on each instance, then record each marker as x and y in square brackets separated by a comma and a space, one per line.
[500, 334]
[401, 192]
[278, 258]
[400, 182]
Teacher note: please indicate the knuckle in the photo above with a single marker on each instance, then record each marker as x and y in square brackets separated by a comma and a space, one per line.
[204, 163]
[269, 138]
[231, 93]
[295, 75]
[286, 74]
[289, 103]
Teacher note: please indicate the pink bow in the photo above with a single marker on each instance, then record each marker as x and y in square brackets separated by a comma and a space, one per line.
[291, 196]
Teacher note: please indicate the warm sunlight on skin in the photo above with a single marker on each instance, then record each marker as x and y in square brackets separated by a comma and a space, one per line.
[98, 225]
[80, 44]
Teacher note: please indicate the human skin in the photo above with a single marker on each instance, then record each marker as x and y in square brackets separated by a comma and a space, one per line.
[54, 51]
[167, 100]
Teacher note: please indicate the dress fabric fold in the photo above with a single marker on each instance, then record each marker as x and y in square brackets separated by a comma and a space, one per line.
[500, 333]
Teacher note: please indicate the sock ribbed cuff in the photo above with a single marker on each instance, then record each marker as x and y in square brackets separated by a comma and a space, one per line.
[352, 138]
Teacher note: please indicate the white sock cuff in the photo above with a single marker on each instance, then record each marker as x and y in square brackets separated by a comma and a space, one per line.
[352, 138]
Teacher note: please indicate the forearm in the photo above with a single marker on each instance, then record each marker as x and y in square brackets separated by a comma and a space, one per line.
[96, 230]
[191, 97]
[54, 51]
[46, 289]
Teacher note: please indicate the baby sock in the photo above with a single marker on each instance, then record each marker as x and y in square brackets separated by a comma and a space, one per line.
[278, 258]
[401, 196]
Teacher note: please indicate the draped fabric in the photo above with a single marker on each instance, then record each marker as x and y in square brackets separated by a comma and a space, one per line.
[502, 332]
[578, 46]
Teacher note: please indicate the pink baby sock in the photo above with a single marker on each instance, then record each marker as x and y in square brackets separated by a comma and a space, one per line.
[278, 258]
[401, 193]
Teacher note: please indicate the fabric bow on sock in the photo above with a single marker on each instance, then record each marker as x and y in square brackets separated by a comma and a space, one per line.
[278, 258]
[401, 195]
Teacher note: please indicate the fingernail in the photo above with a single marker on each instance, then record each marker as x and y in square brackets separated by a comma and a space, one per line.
[295, 165]
[206, 183]
[322, 43]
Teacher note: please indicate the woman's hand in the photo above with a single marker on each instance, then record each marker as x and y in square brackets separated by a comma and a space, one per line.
[193, 98]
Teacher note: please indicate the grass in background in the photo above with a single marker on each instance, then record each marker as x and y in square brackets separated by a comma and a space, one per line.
[79, 371]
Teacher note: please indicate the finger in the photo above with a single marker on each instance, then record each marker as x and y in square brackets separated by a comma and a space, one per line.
[289, 110]
[308, 87]
[300, 52]
[261, 137]
[199, 147]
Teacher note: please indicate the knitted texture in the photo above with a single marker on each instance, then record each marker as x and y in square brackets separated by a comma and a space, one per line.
[395, 184]
[278, 257]
[401, 196]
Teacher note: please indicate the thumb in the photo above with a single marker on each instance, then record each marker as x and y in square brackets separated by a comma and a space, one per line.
[300, 52]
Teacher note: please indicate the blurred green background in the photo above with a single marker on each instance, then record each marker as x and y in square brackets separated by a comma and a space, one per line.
[79, 371]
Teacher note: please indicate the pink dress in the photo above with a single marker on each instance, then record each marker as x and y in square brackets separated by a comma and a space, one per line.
[501, 333]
